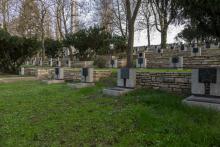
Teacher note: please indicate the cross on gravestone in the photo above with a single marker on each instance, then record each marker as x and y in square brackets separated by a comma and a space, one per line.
[85, 72]
[125, 75]
[207, 76]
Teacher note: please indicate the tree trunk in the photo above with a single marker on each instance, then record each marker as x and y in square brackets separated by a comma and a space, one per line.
[130, 44]
[164, 38]
[148, 32]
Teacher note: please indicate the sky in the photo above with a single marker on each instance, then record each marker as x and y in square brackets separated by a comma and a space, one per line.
[141, 37]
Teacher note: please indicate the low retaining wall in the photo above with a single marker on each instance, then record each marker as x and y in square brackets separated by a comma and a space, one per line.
[69, 73]
[172, 82]
[169, 81]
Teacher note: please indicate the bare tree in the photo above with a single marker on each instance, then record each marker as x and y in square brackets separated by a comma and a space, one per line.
[164, 13]
[132, 9]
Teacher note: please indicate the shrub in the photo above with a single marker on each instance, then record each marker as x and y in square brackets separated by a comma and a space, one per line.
[100, 62]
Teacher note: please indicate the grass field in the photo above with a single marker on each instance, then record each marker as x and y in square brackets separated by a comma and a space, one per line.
[34, 114]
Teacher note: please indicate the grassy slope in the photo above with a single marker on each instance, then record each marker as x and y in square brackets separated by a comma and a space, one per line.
[34, 114]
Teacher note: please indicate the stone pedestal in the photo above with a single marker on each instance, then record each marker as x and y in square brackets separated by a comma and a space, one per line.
[176, 62]
[126, 82]
[80, 85]
[205, 88]
[116, 91]
[196, 51]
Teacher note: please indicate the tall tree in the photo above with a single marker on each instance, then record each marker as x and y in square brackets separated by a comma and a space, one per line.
[164, 13]
[29, 19]
[132, 9]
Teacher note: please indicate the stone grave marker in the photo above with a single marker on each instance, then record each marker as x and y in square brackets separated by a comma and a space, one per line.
[141, 60]
[176, 62]
[205, 88]
[196, 51]
[126, 82]
[87, 79]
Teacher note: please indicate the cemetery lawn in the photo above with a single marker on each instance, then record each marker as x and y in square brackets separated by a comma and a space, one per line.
[34, 114]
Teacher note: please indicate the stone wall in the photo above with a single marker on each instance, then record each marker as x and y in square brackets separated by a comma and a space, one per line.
[69, 73]
[171, 82]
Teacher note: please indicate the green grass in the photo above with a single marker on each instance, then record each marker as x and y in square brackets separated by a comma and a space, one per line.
[34, 114]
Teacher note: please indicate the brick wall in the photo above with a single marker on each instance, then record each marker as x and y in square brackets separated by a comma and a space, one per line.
[172, 82]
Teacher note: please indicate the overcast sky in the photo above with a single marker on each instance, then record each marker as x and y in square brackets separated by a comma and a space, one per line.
[141, 37]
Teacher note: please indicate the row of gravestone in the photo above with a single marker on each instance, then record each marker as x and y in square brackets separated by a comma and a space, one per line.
[205, 82]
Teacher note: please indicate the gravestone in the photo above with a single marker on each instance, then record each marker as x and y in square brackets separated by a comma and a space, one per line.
[126, 82]
[59, 73]
[126, 78]
[40, 62]
[87, 75]
[176, 62]
[205, 88]
[22, 71]
[113, 63]
[183, 48]
[34, 61]
[51, 62]
[58, 63]
[141, 61]
[86, 79]
[68, 63]
[196, 51]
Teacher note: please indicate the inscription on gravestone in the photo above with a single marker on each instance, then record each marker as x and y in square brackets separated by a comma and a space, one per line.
[112, 62]
[57, 72]
[207, 76]
[125, 75]
[140, 61]
[195, 50]
[175, 60]
[85, 72]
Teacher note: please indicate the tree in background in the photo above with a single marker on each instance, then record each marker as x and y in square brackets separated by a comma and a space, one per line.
[14, 51]
[164, 13]
[204, 14]
[53, 48]
[132, 9]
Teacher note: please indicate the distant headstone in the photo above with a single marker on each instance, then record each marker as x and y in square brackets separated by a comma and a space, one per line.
[176, 62]
[87, 75]
[22, 71]
[141, 60]
[113, 63]
[59, 73]
[51, 62]
[196, 51]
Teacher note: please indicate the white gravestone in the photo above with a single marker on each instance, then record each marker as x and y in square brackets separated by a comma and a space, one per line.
[206, 82]
[22, 71]
[51, 62]
[126, 78]
[176, 62]
[196, 51]
[141, 61]
[113, 63]
[87, 75]
[59, 73]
